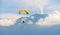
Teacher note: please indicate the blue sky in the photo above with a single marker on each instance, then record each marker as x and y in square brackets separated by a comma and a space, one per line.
[13, 6]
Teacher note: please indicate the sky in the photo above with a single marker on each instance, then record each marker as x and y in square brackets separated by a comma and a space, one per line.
[13, 6]
[9, 10]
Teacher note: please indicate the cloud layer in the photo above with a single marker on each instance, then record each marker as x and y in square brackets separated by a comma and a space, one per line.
[52, 19]
[8, 19]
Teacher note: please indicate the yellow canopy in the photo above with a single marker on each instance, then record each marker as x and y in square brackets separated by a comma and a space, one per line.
[23, 10]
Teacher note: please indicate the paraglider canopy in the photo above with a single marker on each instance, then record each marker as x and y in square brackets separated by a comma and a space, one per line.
[24, 10]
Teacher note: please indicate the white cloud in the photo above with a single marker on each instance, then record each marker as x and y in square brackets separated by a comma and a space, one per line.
[32, 17]
[52, 19]
[9, 19]
[30, 22]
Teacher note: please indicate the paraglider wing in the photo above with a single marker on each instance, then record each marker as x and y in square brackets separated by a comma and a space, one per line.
[23, 10]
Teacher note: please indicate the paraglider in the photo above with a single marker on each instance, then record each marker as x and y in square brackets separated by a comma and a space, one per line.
[23, 16]
[23, 10]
